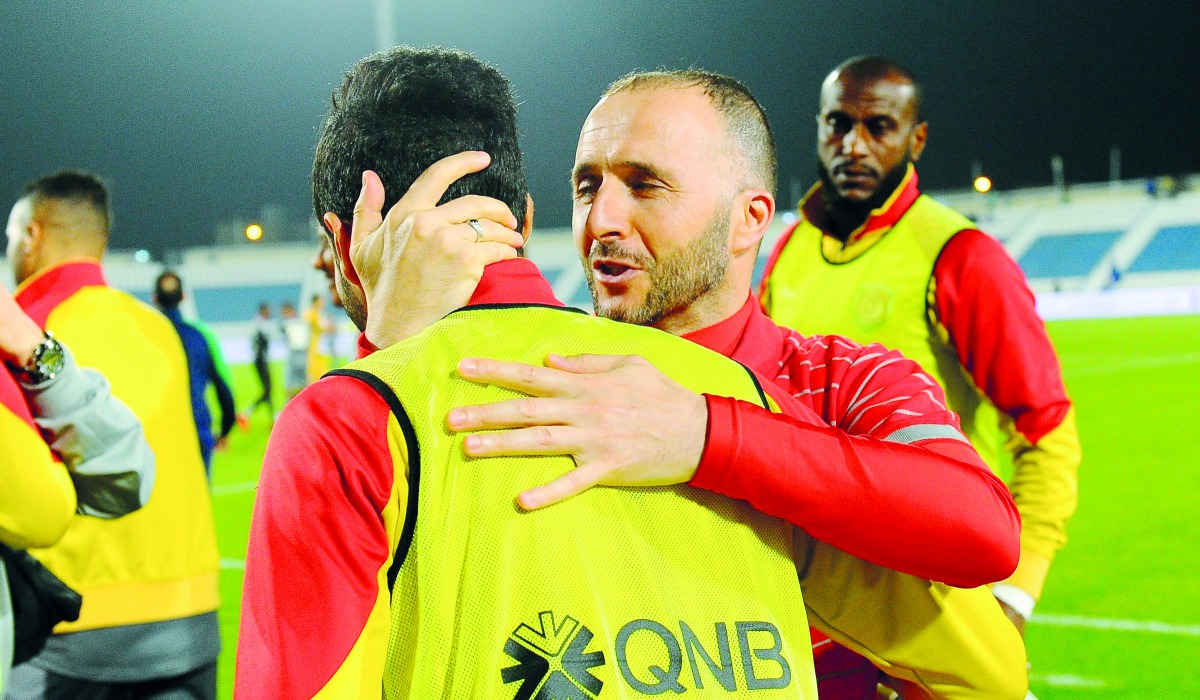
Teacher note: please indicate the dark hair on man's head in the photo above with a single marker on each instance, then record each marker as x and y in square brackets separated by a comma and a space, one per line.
[168, 290]
[72, 186]
[399, 111]
[746, 120]
[869, 69]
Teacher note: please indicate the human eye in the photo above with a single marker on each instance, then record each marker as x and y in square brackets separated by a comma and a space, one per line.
[881, 126]
[585, 188]
[835, 123]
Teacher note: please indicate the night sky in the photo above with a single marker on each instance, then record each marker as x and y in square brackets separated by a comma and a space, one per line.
[198, 112]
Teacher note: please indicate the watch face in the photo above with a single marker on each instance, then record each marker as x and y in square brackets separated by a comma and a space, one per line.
[49, 357]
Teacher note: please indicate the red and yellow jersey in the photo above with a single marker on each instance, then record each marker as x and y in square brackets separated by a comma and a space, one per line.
[328, 462]
[919, 278]
[160, 562]
[37, 499]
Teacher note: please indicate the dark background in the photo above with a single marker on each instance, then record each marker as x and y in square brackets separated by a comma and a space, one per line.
[198, 112]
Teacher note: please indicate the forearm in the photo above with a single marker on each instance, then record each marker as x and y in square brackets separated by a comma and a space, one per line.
[225, 401]
[955, 522]
[37, 500]
[905, 626]
[1045, 486]
[99, 439]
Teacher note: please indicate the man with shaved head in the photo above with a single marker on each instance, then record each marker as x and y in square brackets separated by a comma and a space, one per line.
[873, 259]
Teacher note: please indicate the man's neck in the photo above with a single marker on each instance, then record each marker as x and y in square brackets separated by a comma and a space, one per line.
[844, 218]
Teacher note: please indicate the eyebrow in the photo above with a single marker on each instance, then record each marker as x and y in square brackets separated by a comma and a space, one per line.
[622, 166]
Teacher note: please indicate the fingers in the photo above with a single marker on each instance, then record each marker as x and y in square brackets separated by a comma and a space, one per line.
[519, 376]
[428, 188]
[473, 206]
[589, 364]
[514, 413]
[492, 232]
[368, 210]
[570, 484]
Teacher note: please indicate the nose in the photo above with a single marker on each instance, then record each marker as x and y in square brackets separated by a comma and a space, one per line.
[854, 143]
[607, 216]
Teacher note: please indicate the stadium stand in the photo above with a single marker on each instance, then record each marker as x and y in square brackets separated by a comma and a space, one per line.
[1106, 249]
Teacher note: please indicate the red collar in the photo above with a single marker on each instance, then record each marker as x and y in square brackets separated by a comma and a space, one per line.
[41, 294]
[516, 281]
[748, 336]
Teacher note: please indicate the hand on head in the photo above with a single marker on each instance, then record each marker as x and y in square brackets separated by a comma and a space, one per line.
[421, 261]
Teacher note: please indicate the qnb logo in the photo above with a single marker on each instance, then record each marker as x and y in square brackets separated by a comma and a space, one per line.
[651, 657]
[553, 660]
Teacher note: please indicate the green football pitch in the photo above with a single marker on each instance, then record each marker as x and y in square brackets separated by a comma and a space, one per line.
[1120, 617]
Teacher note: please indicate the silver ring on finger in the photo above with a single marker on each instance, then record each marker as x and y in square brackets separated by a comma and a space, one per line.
[474, 223]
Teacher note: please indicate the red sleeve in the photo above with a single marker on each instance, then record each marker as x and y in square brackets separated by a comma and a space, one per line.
[990, 315]
[317, 540]
[868, 420]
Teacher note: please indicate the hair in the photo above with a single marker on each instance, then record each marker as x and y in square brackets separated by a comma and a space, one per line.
[72, 186]
[745, 119]
[168, 290]
[869, 69]
[399, 111]
[264, 307]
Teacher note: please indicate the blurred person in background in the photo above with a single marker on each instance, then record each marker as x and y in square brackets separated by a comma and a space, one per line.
[261, 345]
[148, 627]
[67, 448]
[297, 337]
[202, 369]
[873, 259]
[319, 328]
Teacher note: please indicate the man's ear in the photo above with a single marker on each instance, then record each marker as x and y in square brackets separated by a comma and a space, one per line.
[527, 224]
[917, 143]
[752, 214]
[341, 246]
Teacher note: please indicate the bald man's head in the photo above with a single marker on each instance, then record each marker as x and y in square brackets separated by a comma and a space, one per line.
[59, 217]
[865, 70]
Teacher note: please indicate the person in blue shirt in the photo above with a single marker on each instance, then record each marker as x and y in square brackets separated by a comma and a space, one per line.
[202, 368]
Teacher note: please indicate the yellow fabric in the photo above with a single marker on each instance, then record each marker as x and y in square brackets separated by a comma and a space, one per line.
[653, 579]
[358, 676]
[884, 298]
[936, 640]
[1045, 486]
[37, 498]
[159, 562]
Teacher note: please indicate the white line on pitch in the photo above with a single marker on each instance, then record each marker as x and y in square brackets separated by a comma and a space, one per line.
[1148, 363]
[239, 564]
[240, 487]
[1101, 623]
[1066, 680]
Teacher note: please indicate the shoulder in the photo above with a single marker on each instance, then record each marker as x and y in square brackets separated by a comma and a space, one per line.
[333, 436]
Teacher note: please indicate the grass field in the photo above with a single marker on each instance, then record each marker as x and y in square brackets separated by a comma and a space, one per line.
[1120, 617]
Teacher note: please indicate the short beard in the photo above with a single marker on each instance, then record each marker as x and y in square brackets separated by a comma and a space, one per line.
[845, 212]
[676, 281]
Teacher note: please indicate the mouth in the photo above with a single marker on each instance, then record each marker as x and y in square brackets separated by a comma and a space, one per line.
[612, 272]
[855, 175]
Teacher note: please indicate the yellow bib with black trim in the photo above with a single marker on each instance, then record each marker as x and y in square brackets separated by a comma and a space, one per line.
[885, 295]
[616, 593]
[159, 562]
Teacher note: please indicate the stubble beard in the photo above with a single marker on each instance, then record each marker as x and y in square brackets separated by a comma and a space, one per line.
[676, 281]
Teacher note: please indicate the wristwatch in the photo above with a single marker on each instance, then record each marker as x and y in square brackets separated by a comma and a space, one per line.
[44, 364]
